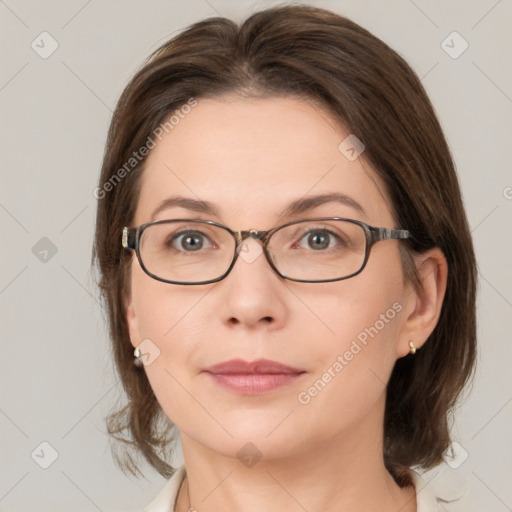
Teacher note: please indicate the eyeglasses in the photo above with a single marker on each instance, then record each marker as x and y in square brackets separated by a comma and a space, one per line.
[192, 251]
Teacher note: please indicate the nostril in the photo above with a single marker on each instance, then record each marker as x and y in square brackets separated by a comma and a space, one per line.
[236, 321]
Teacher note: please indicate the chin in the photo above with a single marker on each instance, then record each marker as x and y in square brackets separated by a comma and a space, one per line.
[258, 431]
[248, 446]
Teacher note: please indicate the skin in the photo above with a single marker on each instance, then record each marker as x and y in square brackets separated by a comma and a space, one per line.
[251, 157]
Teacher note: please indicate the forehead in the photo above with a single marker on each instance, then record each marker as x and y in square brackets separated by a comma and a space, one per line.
[253, 156]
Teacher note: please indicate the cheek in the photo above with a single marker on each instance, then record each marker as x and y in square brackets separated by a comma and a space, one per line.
[371, 321]
[355, 357]
[165, 318]
[172, 324]
[163, 312]
[364, 307]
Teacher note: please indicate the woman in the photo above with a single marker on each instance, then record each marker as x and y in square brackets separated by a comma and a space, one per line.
[287, 266]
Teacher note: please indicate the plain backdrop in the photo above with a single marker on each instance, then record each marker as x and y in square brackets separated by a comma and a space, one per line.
[57, 381]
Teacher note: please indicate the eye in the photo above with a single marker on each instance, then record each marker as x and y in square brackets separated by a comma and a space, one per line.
[189, 241]
[320, 239]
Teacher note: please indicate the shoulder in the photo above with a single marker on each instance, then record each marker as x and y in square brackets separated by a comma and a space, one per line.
[440, 489]
[166, 498]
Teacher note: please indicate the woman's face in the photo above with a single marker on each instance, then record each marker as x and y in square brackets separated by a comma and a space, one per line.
[251, 158]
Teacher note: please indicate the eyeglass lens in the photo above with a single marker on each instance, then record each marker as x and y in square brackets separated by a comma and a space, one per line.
[309, 250]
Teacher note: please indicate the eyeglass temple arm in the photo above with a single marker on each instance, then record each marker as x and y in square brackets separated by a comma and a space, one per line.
[379, 234]
[129, 237]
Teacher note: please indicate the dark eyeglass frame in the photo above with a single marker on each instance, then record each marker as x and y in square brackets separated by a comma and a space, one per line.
[131, 240]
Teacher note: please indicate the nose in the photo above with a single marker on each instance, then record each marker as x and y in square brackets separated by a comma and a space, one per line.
[252, 293]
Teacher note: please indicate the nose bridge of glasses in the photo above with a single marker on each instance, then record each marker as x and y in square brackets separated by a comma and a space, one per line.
[249, 252]
[251, 233]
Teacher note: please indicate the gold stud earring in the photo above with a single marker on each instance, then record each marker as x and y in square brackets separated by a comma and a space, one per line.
[413, 348]
[138, 358]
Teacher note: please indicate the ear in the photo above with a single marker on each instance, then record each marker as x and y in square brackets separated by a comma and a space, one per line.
[131, 319]
[423, 307]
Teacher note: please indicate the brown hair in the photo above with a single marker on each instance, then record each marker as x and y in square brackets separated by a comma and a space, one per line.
[315, 54]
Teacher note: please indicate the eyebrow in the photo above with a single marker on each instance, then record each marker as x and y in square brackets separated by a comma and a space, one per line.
[194, 205]
[308, 203]
[294, 208]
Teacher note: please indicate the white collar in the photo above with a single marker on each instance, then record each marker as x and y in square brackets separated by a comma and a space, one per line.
[426, 500]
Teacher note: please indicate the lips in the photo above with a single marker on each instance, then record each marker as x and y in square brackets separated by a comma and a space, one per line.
[253, 378]
[261, 366]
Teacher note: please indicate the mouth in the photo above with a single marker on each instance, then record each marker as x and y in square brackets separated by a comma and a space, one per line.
[253, 378]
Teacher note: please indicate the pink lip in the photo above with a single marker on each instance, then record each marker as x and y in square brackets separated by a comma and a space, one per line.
[253, 378]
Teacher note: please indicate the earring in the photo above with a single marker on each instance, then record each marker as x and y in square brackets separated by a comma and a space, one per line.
[413, 348]
[138, 361]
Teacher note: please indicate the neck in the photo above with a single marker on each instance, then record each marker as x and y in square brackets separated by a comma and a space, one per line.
[347, 473]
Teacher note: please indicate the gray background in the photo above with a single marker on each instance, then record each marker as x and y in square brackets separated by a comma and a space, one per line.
[57, 381]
